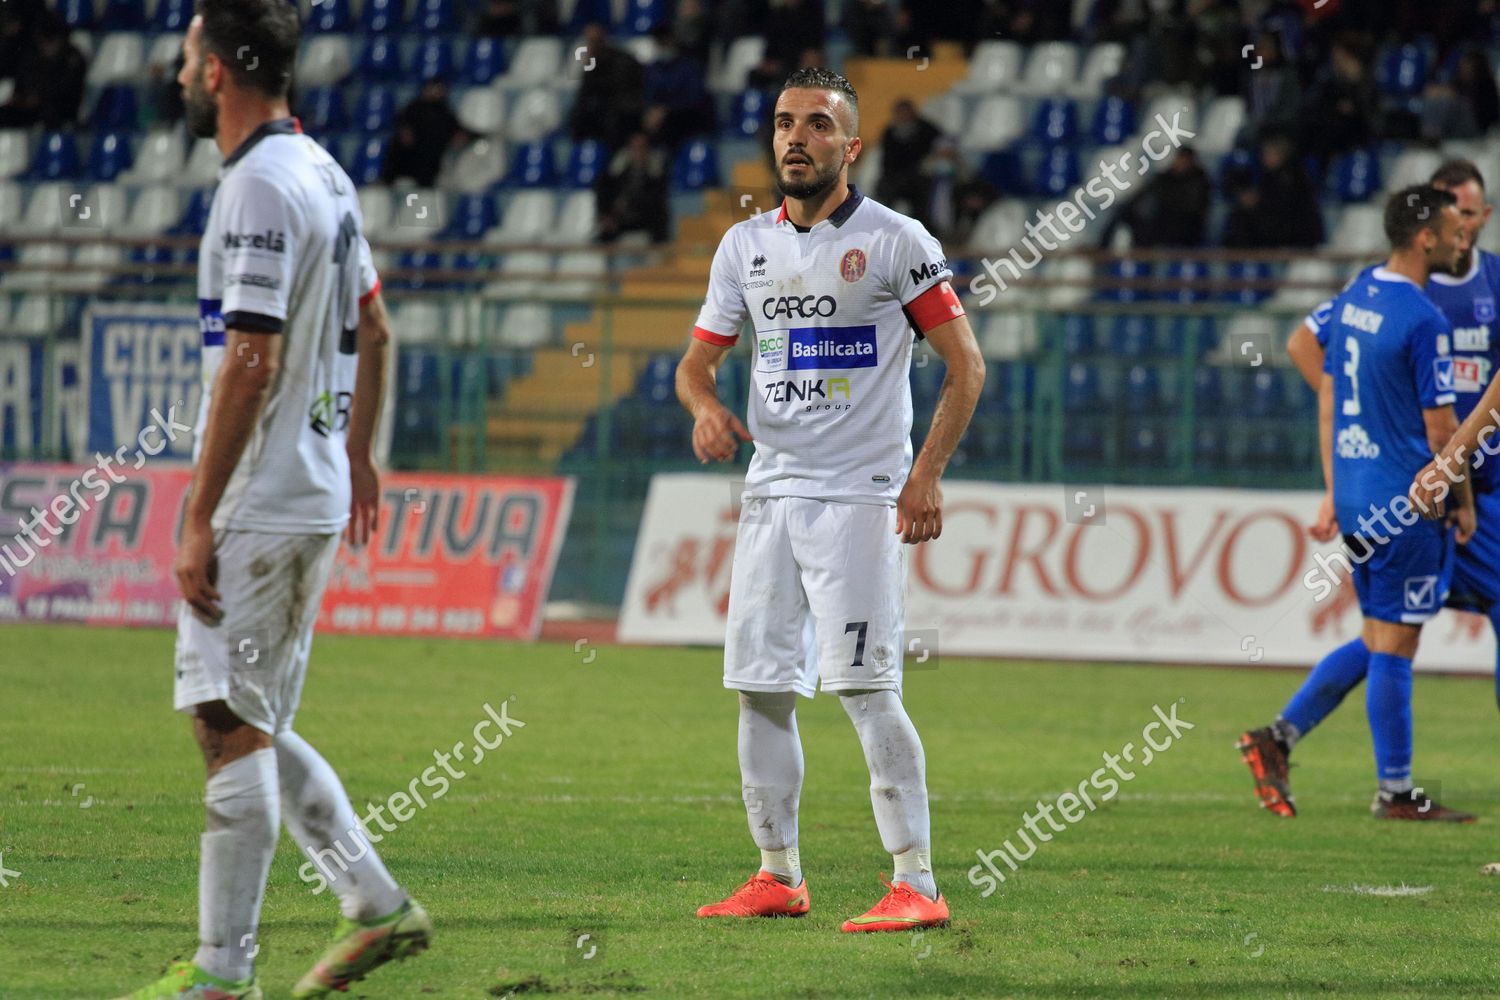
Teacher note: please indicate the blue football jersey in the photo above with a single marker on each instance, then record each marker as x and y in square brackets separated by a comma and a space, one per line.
[1388, 353]
[1469, 304]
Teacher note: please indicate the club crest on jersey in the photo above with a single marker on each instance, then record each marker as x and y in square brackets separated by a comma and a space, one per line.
[1484, 310]
[852, 267]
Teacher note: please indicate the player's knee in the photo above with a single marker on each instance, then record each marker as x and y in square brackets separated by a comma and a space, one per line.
[224, 737]
[242, 796]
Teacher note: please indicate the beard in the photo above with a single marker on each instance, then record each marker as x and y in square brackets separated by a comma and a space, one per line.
[200, 110]
[820, 181]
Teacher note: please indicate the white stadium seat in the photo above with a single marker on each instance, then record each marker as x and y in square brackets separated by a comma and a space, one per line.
[1177, 107]
[47, 257]
[44, 209]
[527, 219]
[575, 219]
[995, 123]
[1067, 268]
[522, 276]
[156, 209]
[946, 111]
[10, 206]
[163, 52]
[103, 258]
[159, 158]
[1102, 64]
[1412, 166]
[526, 324]
[1222, 121]
[537, 62]
[1360, 229]
[324, 61]
[1306, 271]
[994, 66]
[476, 167]
[15, 152]
[1000, 227]
[1051, 68]
[120, 59]
[375, 210]
[580, 275]
[203, 163]
[417, 321]
[536, 113]
[744, 53]
[1008, 335]
[33, 315]
[481, 110]
[866, 170]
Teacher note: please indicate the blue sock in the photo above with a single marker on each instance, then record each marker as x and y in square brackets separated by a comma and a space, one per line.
[1388, 701]
[1331, 680]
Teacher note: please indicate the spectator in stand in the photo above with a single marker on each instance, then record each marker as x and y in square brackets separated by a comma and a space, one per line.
[1273, 94]
[1465, 106]
[1281, 209]
[958, 196]
[870, 27]
[1172, 209]
[632, 193]
[791, 28]
[611, 95]
[49, 78]
[17, 20]
[678, 105]
[516, 18]
[1342, 111]
[693, 30]
[1220, 38]
[904, 147]
[425, 130]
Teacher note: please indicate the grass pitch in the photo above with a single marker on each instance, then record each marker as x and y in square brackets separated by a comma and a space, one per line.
[615, 812]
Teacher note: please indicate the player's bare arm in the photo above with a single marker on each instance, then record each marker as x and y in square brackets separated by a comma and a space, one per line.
[717, 432]
[1326, 527]
[1307, 354]
[372, 346]
[919, 509]
[251, 363]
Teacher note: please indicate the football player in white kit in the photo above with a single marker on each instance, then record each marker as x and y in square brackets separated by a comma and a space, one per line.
[835, 286]
[294, 335]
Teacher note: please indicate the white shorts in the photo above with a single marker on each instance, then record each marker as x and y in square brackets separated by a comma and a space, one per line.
[255, 658]
[818, 590]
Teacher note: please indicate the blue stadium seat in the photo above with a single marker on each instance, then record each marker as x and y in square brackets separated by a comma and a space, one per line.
[122, 15]
[1208, 389]
[417, 261]
[1114, 121]
[484, 59]
[1143, 396]
[751, 109]
[590, 11]
[1081, 389]
[78, 15]
[376, 110]
[56, 158]
[1002, 168]
[1186, 271]
[1056, 121]
[433, 16]
[1402, 70]
[1133, 336]
[1058, 173]
[1268, 448]
[586, 161]
[643, 15]
[381, 16]
[329, 16]
[1122, 270]
[473, 216]
[144, 263]
[322, 110]
[657, 382]
[534, 166]
[434, 60]
[1078, 338]
[1209, 449]
[380, 59]
[1236, 161]
[172, 15]
[117, 108]
[1258, 271]
[369, 158]
[1145, 445]
[110, 156]
[195, 217]
[925, 383]
[696, 166]
[1266, 395]
[1356, 176]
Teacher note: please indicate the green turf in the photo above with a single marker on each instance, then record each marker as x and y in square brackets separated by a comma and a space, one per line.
[615, 812]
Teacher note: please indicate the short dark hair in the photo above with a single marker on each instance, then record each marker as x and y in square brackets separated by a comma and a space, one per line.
[1456, 173]
[256, 39]
[1413, 209]
[818, 78]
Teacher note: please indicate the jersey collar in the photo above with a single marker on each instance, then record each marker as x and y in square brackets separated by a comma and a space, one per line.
[840, 215]
[1454, 279]
[276, 126]
[1385, 274]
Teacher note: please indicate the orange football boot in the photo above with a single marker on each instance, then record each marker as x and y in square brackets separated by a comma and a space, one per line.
[902, 909]
[762, 896]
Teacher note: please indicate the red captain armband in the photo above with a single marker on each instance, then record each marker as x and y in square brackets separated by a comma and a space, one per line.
[717, 339]
[364, 299]
[934, 307]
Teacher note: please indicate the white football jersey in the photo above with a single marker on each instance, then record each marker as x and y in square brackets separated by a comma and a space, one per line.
[284, 252]
[830, 404]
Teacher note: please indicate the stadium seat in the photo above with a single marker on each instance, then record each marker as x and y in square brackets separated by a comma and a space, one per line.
[1000, 227]
[1051, 68]
[1236, 163]
[382, 16]
[534, 166]
[120, 58]
[575, 219]
[582, 275]
[523, 275]
[158, 159]
[946, 111]
[536, 114]
[657, 382]
[1058, 173]
[328, 17]
[1102, 64]
[481, 110]
[1356, 176]
[1055, 121]
[1223, 120]
[743, 54]
[1082, 392]
[1078, 337]
[1073, 275]
[1402, 70]
[369, 158]
[1002, 169]
[1321, 274]
[101, 261]
[11, 202]
[203, 163]
[322, 109]
[586, 161]
[1266, 395]
[1145, 445]
[15, 152]
[527, 219]
[1208, 389]
[1142, 395]
[194, 218]
[155, 210]
[162, 54]
[1004, 336]
[994, 66]
[537, 62]
[375, 210]
[527, 324]
[751, 111]
[478, 167]
[643, 15]
[696, 167]
[56, 157]
[78, 15]
[172, 15]
[324, 61]
[1172, 106]
[1121, 277]
[116, 108]
[435, 16]
[473, 215]
[434, 60]
[375, 111]
[44, 208]
[1133, 337]
[484, 61]
[110, 155]
[995, 123]
[1242, 272]
[121, 15]
[1413, 166]
[34, 315]
[1185, 272]
[380, 60]
[1114, 121]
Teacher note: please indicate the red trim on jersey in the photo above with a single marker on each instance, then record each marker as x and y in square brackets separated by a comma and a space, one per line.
[781, 215]
[297, 122]
[934, 307]
[365, 298]
[717, 339]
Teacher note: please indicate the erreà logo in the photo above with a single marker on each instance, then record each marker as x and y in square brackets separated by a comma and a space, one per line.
[273, 240]
[759, 261]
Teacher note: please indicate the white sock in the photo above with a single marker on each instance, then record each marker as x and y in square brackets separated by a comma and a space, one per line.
[771, 778]
[898, 783]
[318, 814]
[237, 849]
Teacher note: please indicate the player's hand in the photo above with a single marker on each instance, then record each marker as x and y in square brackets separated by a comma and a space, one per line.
[1466, 521]
[364, 503]
[919, 509]
[1429, 491]
[197, 570]
[717, 435]
[1326, 527]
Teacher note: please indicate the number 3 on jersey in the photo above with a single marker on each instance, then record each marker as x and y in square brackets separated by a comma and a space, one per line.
[1351, 369]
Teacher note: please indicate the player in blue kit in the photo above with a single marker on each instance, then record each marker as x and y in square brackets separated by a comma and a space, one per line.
[1385, 404]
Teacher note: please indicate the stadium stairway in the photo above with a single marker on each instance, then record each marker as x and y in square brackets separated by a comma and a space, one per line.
[543, 414]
